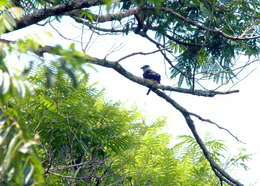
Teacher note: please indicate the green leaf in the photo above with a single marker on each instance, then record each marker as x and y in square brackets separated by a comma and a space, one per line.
[5, 3]
[4, 82]
[87, 15]
[8, 21]
[14, 145]
[181, 78]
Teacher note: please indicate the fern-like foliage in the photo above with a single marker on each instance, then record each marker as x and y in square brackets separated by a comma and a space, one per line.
[19, 163]
[76, 125]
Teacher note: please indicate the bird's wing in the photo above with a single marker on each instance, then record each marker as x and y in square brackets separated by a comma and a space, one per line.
[152, 75]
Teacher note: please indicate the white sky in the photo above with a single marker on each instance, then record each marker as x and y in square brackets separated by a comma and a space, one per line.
[236, 112]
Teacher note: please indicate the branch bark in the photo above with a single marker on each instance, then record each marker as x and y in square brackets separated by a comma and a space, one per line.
[58, 10]
[109, 17]
[186, 114]
[71, 8]
[120, 15]
[116, 66]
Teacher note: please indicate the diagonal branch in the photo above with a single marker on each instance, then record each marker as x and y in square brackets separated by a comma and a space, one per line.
[187, 115]
[220, 172]
[61, 9]
[116, 66]
[132, 77]
[139, 53]
[71, 8]
[93, 27]
[217, 125]
[118, 16]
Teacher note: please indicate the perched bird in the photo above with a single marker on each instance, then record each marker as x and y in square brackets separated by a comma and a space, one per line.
[151, 75]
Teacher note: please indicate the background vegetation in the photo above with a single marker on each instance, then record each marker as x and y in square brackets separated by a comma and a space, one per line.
[58, 129]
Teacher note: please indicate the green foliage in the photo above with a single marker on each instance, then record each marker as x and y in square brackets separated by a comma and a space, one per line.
[63, 126]
[152, 162]
[201, 53]
[82, 136]
[71, 62]
[76, 125]
[189, 147]
[26, 45]
[8, 15]
[62, 103]
[87, 15]
[5, 3]
[216, 59]
[19, 163]
[12, 83]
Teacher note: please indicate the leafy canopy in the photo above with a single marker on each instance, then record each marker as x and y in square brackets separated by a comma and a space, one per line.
[200, 40]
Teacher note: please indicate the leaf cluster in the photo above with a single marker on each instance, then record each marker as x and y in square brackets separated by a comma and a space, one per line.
[82, 136]
[203, 53]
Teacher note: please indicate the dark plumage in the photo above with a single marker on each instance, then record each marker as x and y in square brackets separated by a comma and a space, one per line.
[151, 75]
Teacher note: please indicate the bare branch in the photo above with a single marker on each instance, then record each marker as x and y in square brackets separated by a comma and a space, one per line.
[109, 17]
[218, 171]
[116, 66]
[83, 164]
[159, 46]
[41, 14]
[91, 26]
[61, 35]
[217, 125]
[139, 53]
[184, 43]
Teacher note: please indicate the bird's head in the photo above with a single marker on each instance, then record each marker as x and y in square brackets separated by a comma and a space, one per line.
[145, 67]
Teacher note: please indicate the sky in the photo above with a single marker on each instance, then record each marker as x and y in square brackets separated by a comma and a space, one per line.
[237, 112]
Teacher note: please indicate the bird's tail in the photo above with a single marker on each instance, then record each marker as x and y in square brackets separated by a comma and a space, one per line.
[148, 92]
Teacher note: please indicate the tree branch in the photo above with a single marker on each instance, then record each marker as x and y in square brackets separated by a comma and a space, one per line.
[139, 53]
[190, 21]
[92, 27]
[108, 17]
[71, 8]
[218, 171]
[41, 14]
[120, 15]
[117, 67]
[217, 125]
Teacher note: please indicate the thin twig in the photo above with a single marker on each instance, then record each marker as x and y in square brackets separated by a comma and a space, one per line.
[139, 53]
[83, 164]
[217, 125]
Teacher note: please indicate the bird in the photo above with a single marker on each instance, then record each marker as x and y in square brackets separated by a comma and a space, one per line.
[149, 74]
